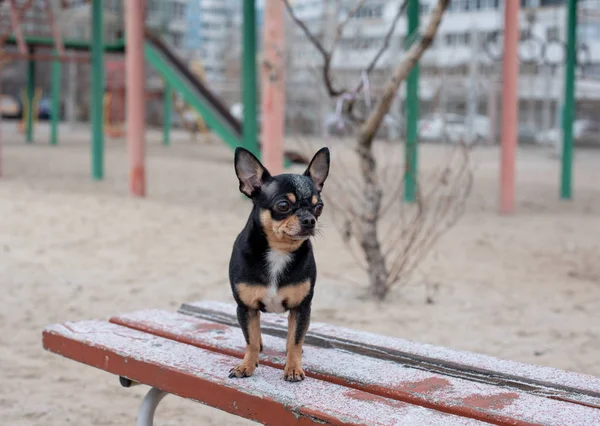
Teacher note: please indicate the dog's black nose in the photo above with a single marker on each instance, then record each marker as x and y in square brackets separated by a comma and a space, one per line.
[308, 222]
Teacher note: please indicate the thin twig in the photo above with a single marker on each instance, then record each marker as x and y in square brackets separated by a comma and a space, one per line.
[386, 43]
[333, 92]
[340, 27]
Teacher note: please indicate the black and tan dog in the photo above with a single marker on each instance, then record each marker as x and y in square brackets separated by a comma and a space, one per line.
[272, 267]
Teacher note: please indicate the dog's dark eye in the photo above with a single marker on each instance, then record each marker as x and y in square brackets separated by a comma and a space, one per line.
[318, 210]
[282, 207]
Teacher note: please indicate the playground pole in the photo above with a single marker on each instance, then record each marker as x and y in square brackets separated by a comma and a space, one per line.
[569, 104]
[412, 108]
[97, 94]
[30, 95]
[250, 125]
[510, 107]
[168, 101]
[273, 86]
[1, 65]
[55, 100]
[135, 104]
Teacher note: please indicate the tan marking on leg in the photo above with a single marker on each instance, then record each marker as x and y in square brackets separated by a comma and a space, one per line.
[291, 197]
[315, 200]
[280, 233]
[250, 362]
[250, 294]
[292, 371]
[294, 294]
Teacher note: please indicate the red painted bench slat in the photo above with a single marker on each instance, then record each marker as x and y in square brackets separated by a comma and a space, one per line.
[380, 377]
[584, 384]
[199, 374]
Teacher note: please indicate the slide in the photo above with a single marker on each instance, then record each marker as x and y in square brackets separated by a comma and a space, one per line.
[214, 112]
[195, 93]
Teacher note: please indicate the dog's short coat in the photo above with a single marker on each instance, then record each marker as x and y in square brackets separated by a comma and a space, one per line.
[272, 267]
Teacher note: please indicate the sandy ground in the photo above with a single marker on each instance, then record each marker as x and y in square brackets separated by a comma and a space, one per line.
[525, 287]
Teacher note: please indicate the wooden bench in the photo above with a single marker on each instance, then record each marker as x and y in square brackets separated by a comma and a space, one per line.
[352, 377]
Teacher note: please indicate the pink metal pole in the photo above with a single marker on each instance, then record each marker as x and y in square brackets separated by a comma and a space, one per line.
[510, 106]
[15, 20]
[58, 45]
[273, 86]
[135, 105]
[1, 64]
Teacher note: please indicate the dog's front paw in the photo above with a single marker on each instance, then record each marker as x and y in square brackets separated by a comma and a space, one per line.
[243, 370]
[293, 373]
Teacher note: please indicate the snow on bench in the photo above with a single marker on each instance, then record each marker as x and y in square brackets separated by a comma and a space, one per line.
[202, 375]
[353, 377]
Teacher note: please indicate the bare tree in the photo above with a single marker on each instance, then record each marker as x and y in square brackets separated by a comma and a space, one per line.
[362, 205]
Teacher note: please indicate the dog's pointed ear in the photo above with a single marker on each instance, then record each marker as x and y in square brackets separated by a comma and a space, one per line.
[318, 169]
[250, 172]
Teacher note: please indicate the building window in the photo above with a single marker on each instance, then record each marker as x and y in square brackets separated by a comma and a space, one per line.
[178, 10]
[489, 4]
[529, 3]
[368, 11]
[552, 33]
[152, 6]
[177, 40]
[588, 32]
[458, 5]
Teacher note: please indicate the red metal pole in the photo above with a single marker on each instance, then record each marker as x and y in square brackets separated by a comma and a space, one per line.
[15, 20]
[510, 106]
[135, 105]
[1, 64]
[273, 86]
[58, 45]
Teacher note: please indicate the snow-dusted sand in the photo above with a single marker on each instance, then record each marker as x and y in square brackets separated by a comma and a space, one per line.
[525, 287]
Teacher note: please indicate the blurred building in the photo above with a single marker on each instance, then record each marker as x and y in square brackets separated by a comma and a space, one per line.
[169, 19]
[465, 57]
[209, 24]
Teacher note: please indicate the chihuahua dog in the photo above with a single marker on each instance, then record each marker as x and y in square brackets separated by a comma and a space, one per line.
[272, 267]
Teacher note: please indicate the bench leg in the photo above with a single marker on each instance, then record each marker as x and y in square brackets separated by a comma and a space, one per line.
[148, 408]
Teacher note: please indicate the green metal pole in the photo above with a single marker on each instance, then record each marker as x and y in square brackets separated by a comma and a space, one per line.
[168, 101]
[97, 91]
[55, 101]
[412, 108]
[569, 104]
[30, 96]
[249, 90]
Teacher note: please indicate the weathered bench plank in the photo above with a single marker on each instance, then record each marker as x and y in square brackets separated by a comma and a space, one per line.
[561, 384]
[480, 401]
[199, 374]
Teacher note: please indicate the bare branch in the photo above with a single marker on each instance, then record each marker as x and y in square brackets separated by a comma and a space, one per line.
[386, 42]
[305, 29]
[333, 92]
[340, 27]
[368, 130]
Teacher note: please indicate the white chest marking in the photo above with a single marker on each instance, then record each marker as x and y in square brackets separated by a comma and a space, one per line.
[277, 261]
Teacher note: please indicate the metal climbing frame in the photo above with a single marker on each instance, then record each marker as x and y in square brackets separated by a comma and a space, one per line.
[32, 26]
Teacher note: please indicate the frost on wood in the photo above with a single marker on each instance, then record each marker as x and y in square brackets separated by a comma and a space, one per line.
[383, 377]
[469, 359]
[311, 398]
